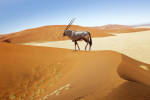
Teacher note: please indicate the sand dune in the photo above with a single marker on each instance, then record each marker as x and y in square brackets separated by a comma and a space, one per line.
[132, 30]
[52, 74]
[142, 26]
[113, 26]
[136, 45]
[29, 72]
[47, 33]
[47, 73]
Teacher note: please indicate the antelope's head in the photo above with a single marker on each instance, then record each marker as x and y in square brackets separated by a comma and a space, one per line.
[66, 31]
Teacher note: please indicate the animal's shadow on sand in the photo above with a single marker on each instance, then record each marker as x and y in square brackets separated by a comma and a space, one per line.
[129, 91]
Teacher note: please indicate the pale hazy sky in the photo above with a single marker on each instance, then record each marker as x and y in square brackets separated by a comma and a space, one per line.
[16, 15]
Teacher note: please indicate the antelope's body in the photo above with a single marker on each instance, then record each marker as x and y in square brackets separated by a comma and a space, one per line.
[76, 36]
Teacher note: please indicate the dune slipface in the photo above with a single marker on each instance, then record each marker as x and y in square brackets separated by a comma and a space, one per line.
[46, 73]
[130, 69]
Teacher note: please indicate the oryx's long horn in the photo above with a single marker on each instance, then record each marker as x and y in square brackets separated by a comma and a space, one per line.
[68, 26]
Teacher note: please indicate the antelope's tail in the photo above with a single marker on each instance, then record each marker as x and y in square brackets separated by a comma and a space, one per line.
[90, 42]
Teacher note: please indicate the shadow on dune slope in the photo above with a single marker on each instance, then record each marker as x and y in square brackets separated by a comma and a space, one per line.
[133, 70]
[129, 91]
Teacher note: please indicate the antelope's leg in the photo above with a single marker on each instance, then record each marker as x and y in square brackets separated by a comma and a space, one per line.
[86, 45]
[78, 45]
[87, 41]
[75, 43]
[90, 48]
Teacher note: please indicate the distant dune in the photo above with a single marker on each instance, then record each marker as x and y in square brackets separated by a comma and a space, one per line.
[34, 73]
[117, 29]
[47, 33]
[146, 24]
[142, 26]
[114, 26]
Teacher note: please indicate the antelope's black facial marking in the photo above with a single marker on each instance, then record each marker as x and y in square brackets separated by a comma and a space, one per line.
[64, 34]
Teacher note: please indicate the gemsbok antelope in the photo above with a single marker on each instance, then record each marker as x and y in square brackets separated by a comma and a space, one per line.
[77, 36]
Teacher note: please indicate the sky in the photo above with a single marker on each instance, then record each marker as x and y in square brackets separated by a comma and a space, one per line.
[17, 15]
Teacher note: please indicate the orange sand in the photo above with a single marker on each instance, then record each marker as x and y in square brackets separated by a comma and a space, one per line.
[47, 33]
[58, 74]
